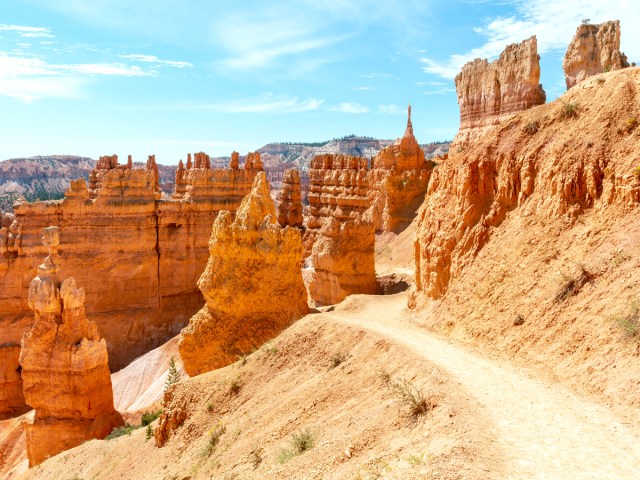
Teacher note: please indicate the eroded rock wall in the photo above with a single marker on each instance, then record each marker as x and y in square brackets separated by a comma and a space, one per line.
[490, 93]
[289, 200]
[594, 49]
[138, 257]
[252, 284]
[343, 258]
[65, 367]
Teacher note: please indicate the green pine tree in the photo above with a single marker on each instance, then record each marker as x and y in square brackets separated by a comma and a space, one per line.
[173, 376]
[149, 432]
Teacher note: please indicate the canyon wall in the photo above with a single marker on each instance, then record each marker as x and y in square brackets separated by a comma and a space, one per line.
[65, 366]
[138, 257]
[489, 93]
[252, 285]
[594, 49]
[289, 200]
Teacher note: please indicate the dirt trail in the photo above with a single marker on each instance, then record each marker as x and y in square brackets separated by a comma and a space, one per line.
[544, 430]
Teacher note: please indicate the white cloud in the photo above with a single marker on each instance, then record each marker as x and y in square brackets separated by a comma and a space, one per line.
[26, 31]
[108, 69]
[264, 104]
[553, 23]
[392, 109]
[348, 107]
[363, 89]
[156, 60]
[440, 91]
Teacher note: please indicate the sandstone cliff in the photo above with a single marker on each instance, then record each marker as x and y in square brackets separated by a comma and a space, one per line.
[594, 49]
[398, 180]
[289, 200]
[343, 257]
[252, 284]
[146, 252]
[489, 93]
[64, 365]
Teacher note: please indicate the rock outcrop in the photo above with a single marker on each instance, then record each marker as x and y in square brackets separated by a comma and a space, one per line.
[252, 284]
[398, 180]
[343, 257]
[65, 367]
[137, 256]
[490, 93]
[560, 169]
[594, 49]
[289, 200]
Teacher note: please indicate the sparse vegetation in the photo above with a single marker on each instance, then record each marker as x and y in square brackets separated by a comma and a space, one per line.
[149, 417]
[412, 396]
[519, 320]
[214, 438]
[630, 322]
[120, 431]
[336, 360]
[149, 432]
[571, 285]
[242, 360]
[600, 80]
[619, 258]
[569, 110]
[418, 459]
[636, 172]
[300, 442]
[234, 386]
[270, 348]
[209, 407]
[531, 127]
[256, 455]
[173, 376]
[630, 124]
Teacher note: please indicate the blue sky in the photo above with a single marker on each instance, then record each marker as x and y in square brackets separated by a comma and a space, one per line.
[167, 77]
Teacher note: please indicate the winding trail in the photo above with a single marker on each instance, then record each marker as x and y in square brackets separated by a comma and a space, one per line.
[544, 430]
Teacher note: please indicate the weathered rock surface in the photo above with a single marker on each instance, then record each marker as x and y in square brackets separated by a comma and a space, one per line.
[289, 200]
[594, 49]
[490, 93]
[137, 256]
[563, 168]
[65, 367]
[343, 257]
[398, 181]
[252, 284]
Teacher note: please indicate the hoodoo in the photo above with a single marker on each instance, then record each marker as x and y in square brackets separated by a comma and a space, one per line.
[489, 93]
[594, 49]
[65, 367]
[252, 284]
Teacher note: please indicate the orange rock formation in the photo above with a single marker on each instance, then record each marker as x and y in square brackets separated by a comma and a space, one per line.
[594, 49]
[65, 365]
[289, 200]
[398, 181]
[563, 168]
[252, 284]
[148, 254]
[343, 257]
[489, 93]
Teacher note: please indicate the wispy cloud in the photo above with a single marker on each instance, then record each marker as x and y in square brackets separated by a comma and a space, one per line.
[362, 89]
[439, 91]
[155, 60]
[26, 31]
[551, 21]
[391, 109]
[348, 107]
[263, 104]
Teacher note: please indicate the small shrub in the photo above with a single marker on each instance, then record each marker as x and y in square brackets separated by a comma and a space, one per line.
[570, 286]
[519, 320]
[285, 455]
[121, 431]
[411, 396]
[630, 323]
[271, 348]
[256, 455]
[235, 386]
[149, 417]
[173, 376]
[336, 360]
[600, 80]
[209, 407]
[531, 127]
[619, 258]
[214, 437]
[585, 21]
[636, 172]
[149, 432]
[300, 442]
[569, 110]
[631, 124]
[384, 376]
[242, 360]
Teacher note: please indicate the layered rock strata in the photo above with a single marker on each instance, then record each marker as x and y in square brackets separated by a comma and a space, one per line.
[565, 167]
[65, 367]
[147, 253]
[398, 180]
[289, 200]
[490, 93]
[594, 49]
[252, 284]
[343, 259]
